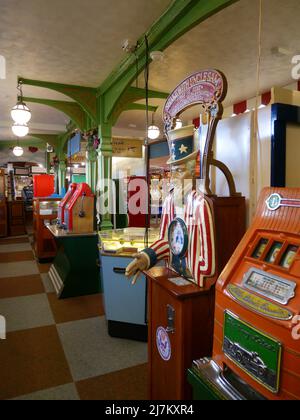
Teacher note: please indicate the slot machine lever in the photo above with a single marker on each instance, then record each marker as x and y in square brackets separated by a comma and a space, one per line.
[171, 319]
[82, 212]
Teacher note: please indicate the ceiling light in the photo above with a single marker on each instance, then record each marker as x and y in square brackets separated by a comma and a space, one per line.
[18, 151]
[20, 113]
[153, 132]
[20, 130]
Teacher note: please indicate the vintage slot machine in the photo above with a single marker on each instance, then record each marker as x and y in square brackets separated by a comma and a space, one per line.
[197, 243]
[63, 203]
[80, 209]
[257, 324]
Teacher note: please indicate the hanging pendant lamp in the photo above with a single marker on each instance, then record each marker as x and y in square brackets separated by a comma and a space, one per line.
[20, 113]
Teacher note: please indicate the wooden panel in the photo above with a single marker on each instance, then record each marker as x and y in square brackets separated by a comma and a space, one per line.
[84, 224]
[16, 218]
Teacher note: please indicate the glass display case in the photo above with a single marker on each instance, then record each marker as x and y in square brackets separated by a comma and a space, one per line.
[126, 241]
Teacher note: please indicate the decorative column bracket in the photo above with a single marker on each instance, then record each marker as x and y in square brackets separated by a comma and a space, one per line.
[72, 109]
[86, 97]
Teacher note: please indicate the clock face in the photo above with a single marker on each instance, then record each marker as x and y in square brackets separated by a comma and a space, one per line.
[178, 237]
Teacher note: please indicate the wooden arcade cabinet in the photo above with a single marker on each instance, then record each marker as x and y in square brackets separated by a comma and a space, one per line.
[256, 351]
[182, 309]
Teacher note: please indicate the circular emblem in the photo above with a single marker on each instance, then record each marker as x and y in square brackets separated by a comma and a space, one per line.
[274, 202]
[178, 237]
[163, 344]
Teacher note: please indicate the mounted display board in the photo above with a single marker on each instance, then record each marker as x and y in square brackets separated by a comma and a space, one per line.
[127, 148]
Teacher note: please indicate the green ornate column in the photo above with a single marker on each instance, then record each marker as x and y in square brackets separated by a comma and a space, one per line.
[48, 165]
[104, 193]
[62, 172]
[91, 167]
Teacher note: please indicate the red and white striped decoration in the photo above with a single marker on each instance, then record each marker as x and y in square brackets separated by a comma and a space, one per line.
[200, 257]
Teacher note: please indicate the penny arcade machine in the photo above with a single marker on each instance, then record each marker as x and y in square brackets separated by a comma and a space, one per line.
[256, 340]
[75, 269]
[63, 203]
[181, 298]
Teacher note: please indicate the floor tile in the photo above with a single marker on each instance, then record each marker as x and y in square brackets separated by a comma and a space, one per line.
[127, 384]
[34, 360]
[5, 248]
[48, 286]
[73, 309]
[24, 268]
[16, 257]
[91, 352]
[17, 240]
[61, 393]
[26, 312]
[21, 286]
[44, 268]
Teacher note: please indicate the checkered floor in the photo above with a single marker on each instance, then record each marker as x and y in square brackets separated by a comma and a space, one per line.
[59, 349]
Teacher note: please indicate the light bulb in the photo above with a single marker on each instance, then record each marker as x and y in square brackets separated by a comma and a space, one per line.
[21, 113]
[153, 132]
[18, 151]
[20, 130]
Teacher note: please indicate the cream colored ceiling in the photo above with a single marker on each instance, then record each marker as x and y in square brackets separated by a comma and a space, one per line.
[71, 41]
[228, 41]
[65, 41]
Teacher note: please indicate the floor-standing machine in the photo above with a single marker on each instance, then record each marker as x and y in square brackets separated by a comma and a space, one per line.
[197, 240]
[75, 270]
[257, 325]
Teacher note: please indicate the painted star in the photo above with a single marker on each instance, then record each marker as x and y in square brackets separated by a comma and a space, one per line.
[183, 149]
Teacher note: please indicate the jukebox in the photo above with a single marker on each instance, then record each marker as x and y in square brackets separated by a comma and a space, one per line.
[199, 232]
[256, 351]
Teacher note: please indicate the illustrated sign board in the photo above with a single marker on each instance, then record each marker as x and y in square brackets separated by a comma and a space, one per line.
[127, 148]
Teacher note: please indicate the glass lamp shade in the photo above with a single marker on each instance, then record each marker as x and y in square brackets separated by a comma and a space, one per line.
[20, 130]
[21, 113]
[18, 151]
[153, 132]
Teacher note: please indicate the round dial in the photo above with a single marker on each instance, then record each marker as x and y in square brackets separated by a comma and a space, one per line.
[178, 237]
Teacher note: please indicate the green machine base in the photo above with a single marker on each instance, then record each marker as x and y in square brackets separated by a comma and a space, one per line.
[209, 383]
[75, 270]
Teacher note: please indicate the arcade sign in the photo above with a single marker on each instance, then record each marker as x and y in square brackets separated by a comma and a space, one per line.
[208, 87]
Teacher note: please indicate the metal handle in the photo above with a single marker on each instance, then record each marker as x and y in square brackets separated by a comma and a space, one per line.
[118, 270]
[170, 319]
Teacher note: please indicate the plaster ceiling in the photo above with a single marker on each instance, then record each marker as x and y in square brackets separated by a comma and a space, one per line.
[64, 42]
[229, 41]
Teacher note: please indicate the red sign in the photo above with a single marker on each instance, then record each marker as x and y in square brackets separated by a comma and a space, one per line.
[207, 87]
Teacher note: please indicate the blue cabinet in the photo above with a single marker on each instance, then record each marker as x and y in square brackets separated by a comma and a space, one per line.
[125, 304]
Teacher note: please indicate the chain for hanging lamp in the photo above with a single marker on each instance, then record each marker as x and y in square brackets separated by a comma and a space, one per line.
[21, 115]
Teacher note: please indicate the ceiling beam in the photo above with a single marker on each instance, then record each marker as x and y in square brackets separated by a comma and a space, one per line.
[180, 17]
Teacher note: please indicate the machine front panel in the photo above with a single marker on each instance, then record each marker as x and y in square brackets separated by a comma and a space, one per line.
[253, 351]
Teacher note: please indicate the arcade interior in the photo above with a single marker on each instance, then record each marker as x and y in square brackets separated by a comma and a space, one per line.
[149, 200]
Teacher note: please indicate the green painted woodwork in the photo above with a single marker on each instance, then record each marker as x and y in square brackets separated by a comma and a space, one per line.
[26, 142]
[76, 264]
[180, 17]
[84, 96]
[62, 173]
[91, 168]
[202, 390]
[140, 107]
[72, 109]
[52, 139]
[105, 171]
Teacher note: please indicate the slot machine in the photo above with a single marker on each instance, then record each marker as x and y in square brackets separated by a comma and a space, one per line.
[256, 351]
[63, 203]
[80, 209]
